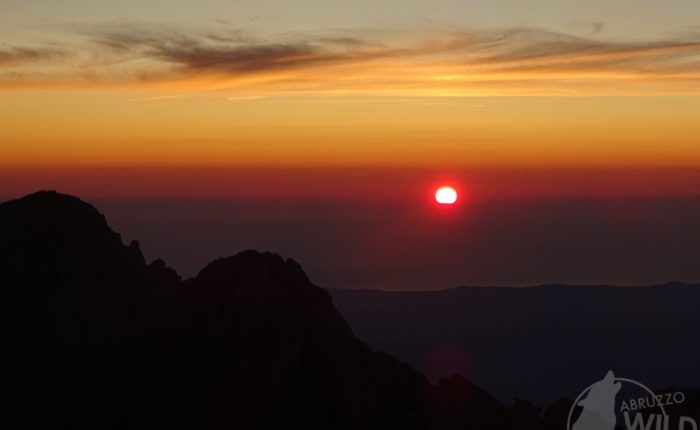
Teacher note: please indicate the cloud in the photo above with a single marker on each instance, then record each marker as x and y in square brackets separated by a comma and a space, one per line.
[14, 55]
[227, 49]
[355, 60]
[234, 52]
[527, 50]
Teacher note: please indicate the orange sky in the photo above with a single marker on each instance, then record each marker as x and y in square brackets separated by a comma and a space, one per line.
[113, 128]
[131, 96]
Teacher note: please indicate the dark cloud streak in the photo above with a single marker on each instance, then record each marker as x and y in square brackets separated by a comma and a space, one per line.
[230, 50]
[12, 55]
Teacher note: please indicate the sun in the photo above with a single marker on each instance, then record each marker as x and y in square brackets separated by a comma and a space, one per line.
[446, 196]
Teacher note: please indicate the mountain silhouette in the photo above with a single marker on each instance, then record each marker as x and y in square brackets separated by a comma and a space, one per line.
[95, 338]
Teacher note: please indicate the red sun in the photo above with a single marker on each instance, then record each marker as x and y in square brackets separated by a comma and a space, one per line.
[446, 196]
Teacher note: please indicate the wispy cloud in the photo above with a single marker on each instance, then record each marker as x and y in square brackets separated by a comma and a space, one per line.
[438, 60]
[228, 49]
[528, 50]
[17, 55]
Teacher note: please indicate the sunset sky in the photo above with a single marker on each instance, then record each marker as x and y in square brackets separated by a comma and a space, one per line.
[316, 106]
[497, 83]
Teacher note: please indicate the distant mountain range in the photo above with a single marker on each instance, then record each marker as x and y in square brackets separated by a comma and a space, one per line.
[93, 337]
[539, 343]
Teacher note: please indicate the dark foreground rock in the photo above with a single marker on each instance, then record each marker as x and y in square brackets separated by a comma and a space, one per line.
[94, 338]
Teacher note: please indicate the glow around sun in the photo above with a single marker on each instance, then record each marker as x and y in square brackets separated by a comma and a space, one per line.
[446, 196]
